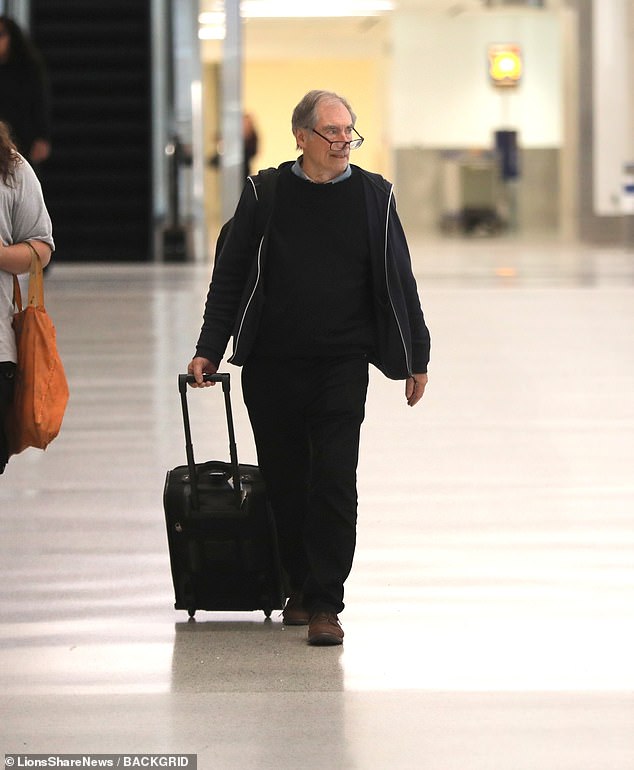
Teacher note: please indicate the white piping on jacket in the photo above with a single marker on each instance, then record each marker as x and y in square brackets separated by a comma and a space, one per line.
[255, 285]
[246, 308]
[387, 282]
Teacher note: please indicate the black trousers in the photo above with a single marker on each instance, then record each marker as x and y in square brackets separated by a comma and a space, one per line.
[7, 372]
[306, 416]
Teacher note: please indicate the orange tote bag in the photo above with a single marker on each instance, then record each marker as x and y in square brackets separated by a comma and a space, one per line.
[41, 389]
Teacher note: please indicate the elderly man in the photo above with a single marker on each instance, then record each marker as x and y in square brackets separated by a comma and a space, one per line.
[314, 282]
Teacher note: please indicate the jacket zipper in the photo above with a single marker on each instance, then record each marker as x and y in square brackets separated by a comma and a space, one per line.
[387, 282]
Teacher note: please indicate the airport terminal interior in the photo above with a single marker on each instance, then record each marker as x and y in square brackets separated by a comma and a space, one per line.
[489, 620]
[489, 616]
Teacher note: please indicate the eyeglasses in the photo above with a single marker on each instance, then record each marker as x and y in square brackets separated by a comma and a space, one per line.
[338, 145]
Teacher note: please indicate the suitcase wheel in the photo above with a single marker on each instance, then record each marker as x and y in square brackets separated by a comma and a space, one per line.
[191, 611]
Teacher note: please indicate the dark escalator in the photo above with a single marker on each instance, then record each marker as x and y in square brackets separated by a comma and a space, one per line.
[97, 181]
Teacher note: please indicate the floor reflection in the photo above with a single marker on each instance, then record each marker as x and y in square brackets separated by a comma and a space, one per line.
[218, 655]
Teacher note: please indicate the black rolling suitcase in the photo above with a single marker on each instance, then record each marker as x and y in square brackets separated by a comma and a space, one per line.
[220, 529]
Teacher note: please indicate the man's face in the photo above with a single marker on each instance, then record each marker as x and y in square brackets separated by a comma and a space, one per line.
[321, 163]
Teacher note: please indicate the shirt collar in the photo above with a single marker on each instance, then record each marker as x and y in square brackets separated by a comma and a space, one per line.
[297, 169]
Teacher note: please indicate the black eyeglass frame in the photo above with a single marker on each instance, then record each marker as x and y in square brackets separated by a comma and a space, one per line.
[339, 144]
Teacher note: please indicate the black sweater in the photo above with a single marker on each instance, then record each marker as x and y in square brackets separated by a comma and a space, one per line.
[317, 281]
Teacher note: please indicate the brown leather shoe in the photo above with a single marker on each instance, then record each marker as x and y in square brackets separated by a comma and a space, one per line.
[294, 613]
[324, 629]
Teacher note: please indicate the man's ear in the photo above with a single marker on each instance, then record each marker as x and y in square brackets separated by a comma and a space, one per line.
[300, 138]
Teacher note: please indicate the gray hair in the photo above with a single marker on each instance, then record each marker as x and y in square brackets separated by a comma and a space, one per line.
[305, 114]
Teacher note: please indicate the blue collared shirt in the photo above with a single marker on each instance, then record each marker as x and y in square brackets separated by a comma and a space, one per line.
[297, 169]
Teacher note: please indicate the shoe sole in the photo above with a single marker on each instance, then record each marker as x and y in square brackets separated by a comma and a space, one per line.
[324, 640]
[294, 622]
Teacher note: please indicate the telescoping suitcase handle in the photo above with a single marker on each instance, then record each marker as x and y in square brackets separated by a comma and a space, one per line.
[224, 378]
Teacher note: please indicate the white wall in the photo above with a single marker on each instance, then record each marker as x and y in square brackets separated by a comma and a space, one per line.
[612, 84]
[442, 96]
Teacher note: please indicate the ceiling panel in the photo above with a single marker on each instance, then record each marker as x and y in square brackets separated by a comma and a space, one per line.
[340, 37]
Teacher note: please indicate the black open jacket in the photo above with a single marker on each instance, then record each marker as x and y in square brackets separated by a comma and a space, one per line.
[235, 297]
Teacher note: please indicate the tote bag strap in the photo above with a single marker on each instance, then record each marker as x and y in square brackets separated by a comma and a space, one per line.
[36, 282]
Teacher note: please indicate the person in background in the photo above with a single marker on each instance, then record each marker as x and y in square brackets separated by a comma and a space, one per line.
[23, 217]
[250, 146]
[24, 95]
[324, 290]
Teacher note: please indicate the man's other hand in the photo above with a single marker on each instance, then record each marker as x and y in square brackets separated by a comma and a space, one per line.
[414, 388]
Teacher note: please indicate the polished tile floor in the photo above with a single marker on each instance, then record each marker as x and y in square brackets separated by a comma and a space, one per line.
[490, 613]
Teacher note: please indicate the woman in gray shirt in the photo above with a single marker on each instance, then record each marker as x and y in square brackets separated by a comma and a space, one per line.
[23, 217]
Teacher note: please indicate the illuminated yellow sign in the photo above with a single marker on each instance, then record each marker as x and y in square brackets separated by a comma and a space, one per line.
[505, 65]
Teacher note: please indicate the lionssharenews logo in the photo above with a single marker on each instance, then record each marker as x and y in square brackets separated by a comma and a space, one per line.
[13, 761]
